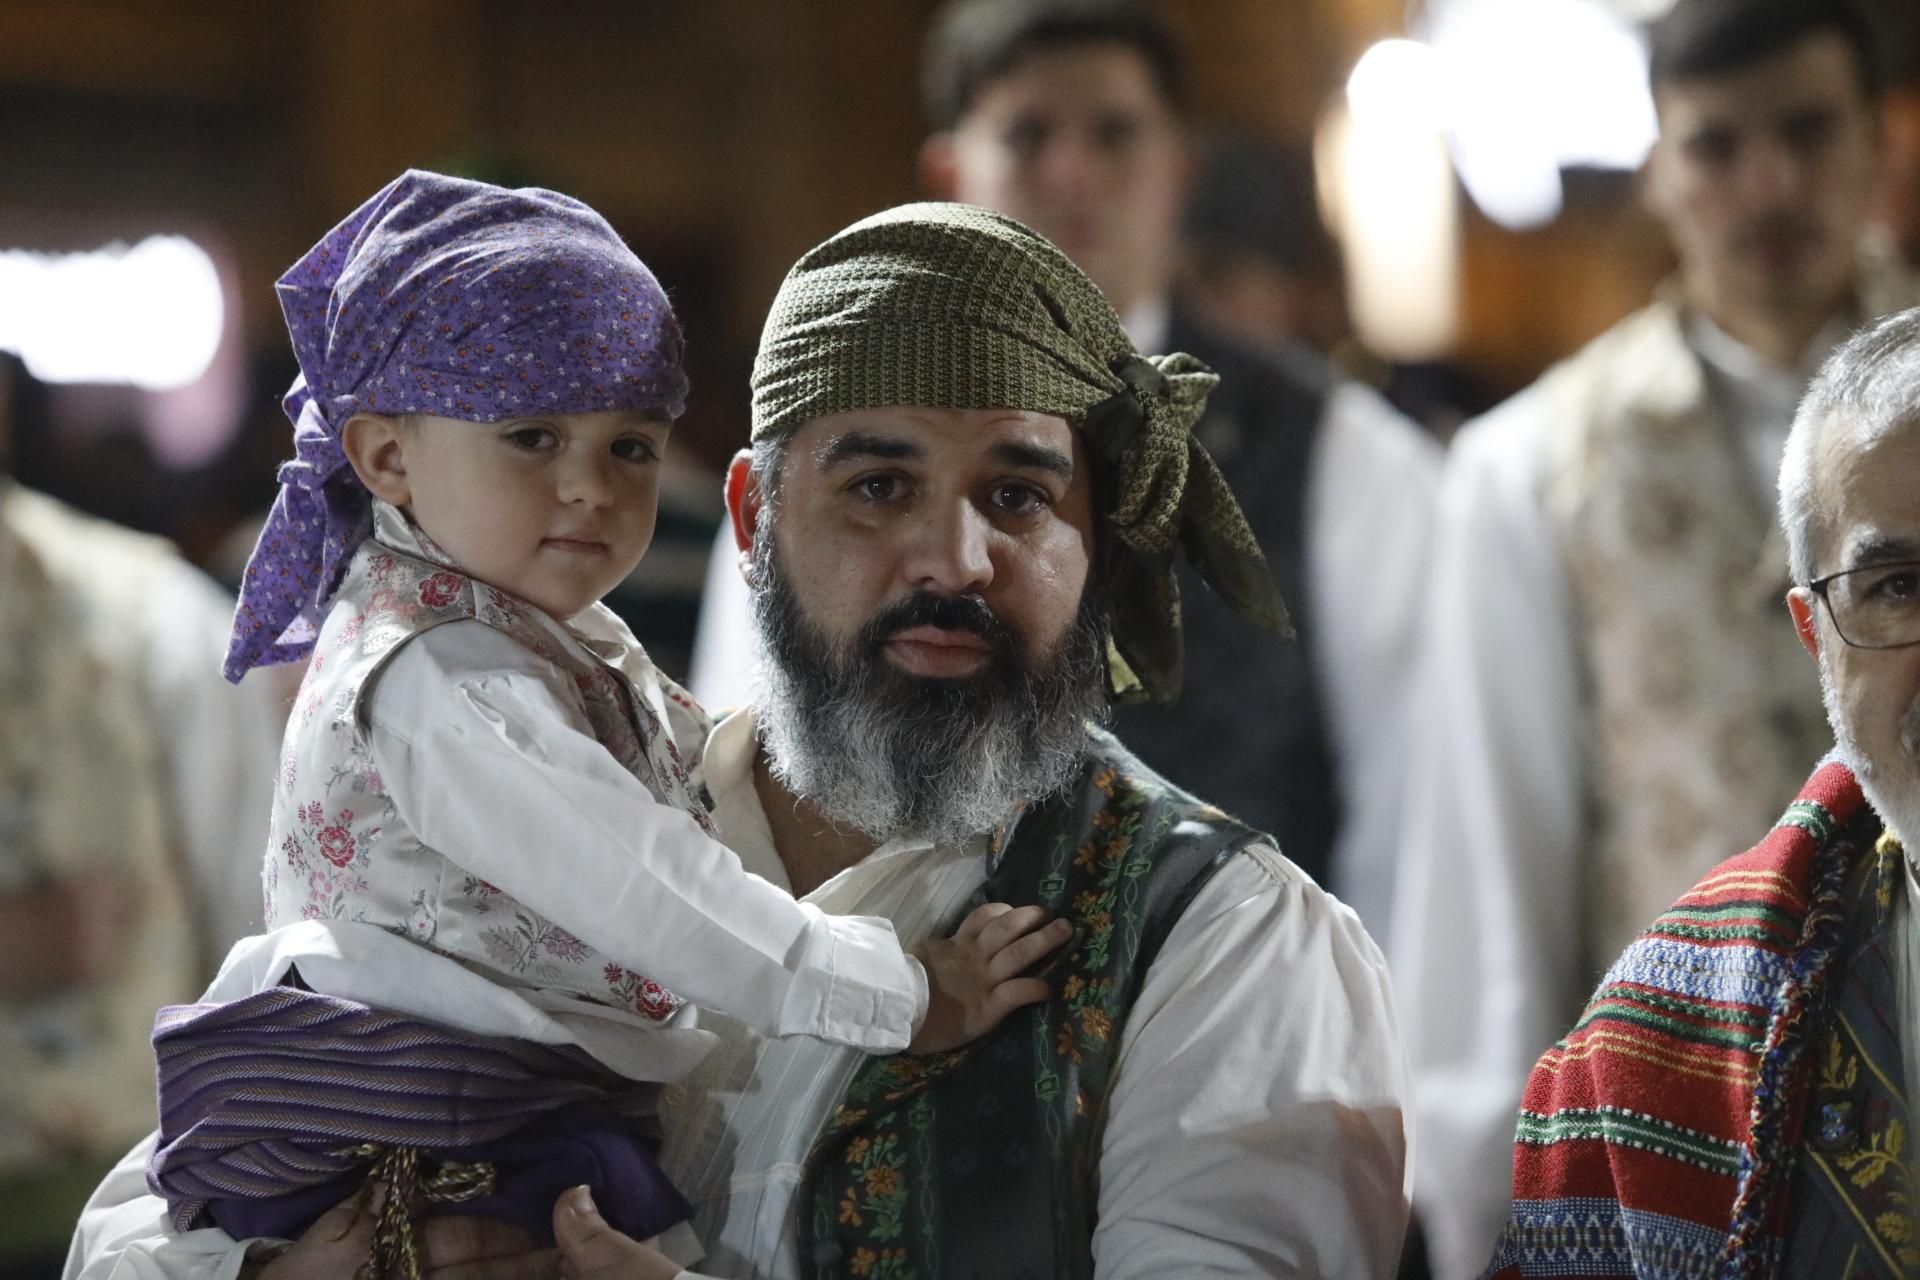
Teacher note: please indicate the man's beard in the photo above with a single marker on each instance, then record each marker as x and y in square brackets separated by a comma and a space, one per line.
[899, 756]
[1893, 791]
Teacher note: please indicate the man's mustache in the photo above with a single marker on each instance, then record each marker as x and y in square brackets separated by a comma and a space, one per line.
[949, 613]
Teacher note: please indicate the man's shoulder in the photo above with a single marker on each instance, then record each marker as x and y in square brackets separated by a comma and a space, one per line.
[1645, 1106]
[1633, 363]
[1699, 985]
[1730, 937]
[131, 598]
[107, 564]
[1240, 855]
[1115, 766]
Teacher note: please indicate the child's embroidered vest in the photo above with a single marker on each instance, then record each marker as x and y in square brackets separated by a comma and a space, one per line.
[338, 849]
[982, 1162]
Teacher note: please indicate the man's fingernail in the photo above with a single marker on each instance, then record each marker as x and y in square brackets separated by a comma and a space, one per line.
[582, 1204]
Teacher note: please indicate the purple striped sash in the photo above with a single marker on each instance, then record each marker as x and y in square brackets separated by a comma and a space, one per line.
[264, 1096]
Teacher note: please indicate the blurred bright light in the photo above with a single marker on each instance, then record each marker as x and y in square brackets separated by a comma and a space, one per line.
[1521, 89]
[1396, 82]
[1389, 192]
[150, 315]
[1532, 87]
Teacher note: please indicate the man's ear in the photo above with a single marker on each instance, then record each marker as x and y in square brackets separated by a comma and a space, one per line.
[375, 445]
[939, 172]
[1806, 624]
[744, 501]
[1653, 184]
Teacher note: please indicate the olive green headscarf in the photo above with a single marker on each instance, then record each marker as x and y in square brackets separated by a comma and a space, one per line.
[947, 306]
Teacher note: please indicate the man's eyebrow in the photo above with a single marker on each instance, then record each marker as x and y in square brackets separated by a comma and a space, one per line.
[1874, 549]
[866, 444]
[1033, 457]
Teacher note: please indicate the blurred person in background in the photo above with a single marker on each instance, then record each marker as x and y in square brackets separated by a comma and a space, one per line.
[1898, 209]
[1610, 699]
[1256, 261]
[1065, 114]
[134, 790]
[1258, 265]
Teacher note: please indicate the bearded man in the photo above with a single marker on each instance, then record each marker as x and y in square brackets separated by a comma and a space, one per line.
[1734, 1100]
[958, 518]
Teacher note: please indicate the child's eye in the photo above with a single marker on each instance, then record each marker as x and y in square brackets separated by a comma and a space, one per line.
[635, 449]
[531, 438]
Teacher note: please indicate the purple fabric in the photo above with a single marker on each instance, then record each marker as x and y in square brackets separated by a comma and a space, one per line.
[614, 1156]
[261, 1098]
[451, 297]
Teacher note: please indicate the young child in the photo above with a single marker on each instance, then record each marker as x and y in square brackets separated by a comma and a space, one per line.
[482, 767]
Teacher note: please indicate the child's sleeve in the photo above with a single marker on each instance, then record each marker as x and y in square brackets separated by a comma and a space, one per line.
[494, 767]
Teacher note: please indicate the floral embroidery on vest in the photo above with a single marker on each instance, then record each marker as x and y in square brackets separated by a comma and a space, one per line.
[339, 849]
[905, 1157]
[1701, 715]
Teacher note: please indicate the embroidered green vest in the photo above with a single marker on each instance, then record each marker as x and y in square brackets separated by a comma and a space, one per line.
[982, 1161]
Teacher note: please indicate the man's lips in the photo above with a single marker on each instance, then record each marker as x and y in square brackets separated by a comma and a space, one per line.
[939, 651]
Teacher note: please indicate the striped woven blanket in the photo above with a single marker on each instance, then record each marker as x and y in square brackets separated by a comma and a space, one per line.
[273, 1106]
[1661, 1137]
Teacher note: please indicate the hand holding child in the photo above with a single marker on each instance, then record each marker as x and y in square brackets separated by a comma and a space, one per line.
[974, 979]
[592, 1250]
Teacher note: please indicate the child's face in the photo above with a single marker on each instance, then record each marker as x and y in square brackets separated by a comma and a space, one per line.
[555, 509]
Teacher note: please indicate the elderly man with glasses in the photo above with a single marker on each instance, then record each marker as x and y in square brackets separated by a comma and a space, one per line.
[1734, 1101]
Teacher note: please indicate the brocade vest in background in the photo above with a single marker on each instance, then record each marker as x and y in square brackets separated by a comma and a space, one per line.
[984, 1162]
[1249, 730]
[1703, 712]
[83, 788]
[339, 850]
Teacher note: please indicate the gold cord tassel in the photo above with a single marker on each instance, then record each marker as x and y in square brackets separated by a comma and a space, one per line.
[396, 1252]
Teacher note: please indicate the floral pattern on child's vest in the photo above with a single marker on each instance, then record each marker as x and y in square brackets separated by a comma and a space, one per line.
[338, 848]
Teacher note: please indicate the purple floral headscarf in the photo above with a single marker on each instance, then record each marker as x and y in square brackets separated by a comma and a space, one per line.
[445, 296]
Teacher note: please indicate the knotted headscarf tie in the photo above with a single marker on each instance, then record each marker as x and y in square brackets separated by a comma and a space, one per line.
[451, 297]
[1165, 494]
[951, 306]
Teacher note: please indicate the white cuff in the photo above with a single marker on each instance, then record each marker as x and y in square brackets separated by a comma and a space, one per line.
[853, 985]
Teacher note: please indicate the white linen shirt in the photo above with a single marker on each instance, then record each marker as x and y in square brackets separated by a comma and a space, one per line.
[489, 760]
[1257, 1127]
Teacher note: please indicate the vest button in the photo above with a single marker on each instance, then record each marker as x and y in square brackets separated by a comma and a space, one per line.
[827, 1253]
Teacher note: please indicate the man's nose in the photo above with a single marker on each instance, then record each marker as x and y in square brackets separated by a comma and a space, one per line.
[1068, 166]
[950, 549]
[1774, 174]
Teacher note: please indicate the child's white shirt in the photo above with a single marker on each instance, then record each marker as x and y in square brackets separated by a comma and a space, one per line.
[460, 771]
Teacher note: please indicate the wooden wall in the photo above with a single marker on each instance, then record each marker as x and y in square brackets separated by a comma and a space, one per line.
[722, 137]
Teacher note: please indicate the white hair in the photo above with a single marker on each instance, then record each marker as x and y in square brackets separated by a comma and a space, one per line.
[1869, 388]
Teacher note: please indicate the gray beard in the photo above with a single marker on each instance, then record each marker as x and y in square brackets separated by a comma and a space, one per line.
[1897, 803]
[897, 756]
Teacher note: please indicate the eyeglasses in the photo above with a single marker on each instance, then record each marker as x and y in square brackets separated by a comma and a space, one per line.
[1877, 607]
